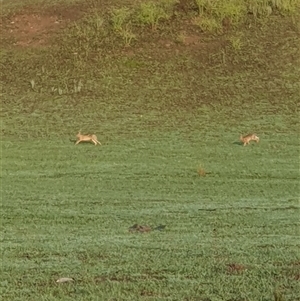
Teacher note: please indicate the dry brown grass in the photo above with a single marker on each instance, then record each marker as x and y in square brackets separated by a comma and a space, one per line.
[201, 171]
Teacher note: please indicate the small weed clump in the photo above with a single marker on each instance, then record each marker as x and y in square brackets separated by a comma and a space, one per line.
[207, 24]
[151, 13]
[213, 15]
[119, 18]
[121, 24]
[236, 43]
[262, 8]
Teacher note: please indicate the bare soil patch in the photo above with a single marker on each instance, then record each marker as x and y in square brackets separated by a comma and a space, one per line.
[34, 26]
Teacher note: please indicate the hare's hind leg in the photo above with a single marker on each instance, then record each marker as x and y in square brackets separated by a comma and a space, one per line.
[96, 141]
[77, 142]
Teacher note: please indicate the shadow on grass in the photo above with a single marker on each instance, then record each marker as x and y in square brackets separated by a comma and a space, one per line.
[238, 143]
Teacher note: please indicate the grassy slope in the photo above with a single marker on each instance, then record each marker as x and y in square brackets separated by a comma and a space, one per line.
[66, 210]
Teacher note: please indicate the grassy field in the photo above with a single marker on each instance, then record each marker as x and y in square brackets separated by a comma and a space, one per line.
[168, 111]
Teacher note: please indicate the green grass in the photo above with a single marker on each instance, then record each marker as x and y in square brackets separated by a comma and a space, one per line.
[159, 113]
[66, 211]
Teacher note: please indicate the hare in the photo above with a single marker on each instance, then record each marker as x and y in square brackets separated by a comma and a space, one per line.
[250, 137]
[92, 138]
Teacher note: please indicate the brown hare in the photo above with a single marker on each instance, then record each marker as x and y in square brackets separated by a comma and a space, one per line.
[250, 137]
[91, 138]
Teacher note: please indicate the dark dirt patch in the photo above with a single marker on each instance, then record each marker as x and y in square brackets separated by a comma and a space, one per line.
[139, 228]
[32, 30]
[297, 277]
[235, 268]
[34, 26]
[143, 229]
